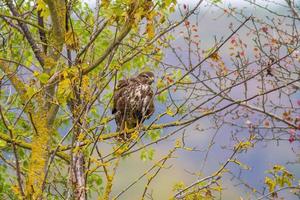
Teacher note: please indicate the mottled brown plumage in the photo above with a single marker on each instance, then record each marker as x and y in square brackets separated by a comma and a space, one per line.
[133, 102]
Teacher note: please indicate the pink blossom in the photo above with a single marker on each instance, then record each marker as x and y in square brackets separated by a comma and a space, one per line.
[292, 132]
[292, 139]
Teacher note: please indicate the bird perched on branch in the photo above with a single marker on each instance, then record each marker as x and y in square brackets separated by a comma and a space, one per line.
[133, 102]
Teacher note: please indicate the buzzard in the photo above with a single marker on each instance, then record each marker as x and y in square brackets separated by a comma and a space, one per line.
[133, 102]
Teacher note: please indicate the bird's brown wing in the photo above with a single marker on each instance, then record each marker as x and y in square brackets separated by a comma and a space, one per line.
[119, 93]
[148, 103]
[121, 87]
[150, 110]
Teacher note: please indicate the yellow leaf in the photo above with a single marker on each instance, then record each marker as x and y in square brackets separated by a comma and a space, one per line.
[36, 73]
[80, 137]
[290, 50]
[169, 112]
[271, 184]
[41, 6]
[244, 145]
[138, 15]
[150, 30]
[49, 62]
[71, 40]
[16, 190]
[215, 57]
[178, 186]
[178, 143]
[188, 148]
[172, 8]
[246, 167]
[105, 3]
[104, 120]
[76, 149]
[134, 135]
[277, 168]
[64, 90]
[3, 143]
[162, 19]
[85, 83]
[217, 188]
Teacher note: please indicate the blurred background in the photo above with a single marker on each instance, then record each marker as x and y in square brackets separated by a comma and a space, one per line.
[189, 166]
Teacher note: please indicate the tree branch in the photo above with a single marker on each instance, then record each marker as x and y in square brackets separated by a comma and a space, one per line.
[93, 38]
[126, 29]
[15, 80]
[37, 51]
[28, 146]
[19, 19]
[57, 10]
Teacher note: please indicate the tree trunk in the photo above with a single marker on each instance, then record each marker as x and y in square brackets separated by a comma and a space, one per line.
[78, 175]
[78, 158]
[39, 157]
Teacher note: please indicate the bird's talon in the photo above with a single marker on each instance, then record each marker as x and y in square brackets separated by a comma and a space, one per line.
[126, 130]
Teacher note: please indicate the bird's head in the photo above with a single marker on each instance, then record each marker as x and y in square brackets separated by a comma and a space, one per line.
[146, 77]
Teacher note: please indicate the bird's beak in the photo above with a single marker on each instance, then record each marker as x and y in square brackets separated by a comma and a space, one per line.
[152, 79]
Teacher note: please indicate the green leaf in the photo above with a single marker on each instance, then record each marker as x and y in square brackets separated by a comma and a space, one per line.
[30, 92]
[43, 77]
[154, 134]
[160, 84]
[151, 152]
[216, 1]
[147, 154]
[162, 97]
[143, 155]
